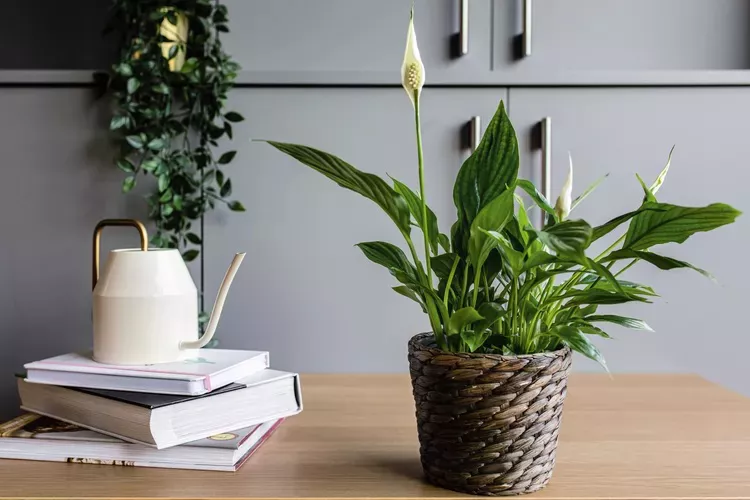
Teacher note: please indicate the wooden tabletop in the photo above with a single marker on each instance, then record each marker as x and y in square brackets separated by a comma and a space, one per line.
[632, 436]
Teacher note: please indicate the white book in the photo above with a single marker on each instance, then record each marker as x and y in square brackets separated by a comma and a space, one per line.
[200, 372]
[161, 420]
[33, 437]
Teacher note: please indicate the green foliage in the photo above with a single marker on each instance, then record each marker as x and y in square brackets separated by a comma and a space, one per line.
[168, 123]
[503, 286]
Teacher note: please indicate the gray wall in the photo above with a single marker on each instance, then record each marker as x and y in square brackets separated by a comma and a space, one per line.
[304, 292]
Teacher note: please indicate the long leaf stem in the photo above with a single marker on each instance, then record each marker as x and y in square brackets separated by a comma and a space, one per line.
[420, 159]
[449, 281]
[626, 267]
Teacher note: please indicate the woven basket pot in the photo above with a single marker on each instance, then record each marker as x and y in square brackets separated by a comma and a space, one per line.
[487, 423]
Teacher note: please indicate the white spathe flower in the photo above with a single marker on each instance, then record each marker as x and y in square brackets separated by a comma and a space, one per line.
[562, 206]
[412, 69]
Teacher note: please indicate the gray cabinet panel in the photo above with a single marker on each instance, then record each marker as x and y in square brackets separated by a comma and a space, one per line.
[574, 37]
[55, 35]
[305, 292]
[345, 41]
[699, 324]
[58, 181]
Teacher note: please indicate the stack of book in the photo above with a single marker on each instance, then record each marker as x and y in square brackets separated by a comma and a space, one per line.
[209, 411]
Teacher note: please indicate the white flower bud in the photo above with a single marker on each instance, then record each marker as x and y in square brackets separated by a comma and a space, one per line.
[562, 206]
[412, 69]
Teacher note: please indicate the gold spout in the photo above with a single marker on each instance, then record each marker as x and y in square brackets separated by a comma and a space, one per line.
[98, 235]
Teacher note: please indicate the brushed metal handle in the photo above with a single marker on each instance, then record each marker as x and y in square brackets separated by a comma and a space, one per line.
[475, 132]
[463, 33]
[527, 23]
[546, 162]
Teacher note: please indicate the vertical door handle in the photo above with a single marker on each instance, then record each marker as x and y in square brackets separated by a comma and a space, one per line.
[463, 30]
[527, 22]
[475, 132]
[546, 162]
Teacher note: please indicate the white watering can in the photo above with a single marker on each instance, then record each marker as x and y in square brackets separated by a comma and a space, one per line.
[146, 304]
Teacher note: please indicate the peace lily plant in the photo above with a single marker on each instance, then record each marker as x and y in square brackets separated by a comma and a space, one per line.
[497, 284]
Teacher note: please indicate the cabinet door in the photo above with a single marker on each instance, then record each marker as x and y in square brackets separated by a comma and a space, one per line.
[619, 41]
[343, 42]
[55, 35]
[699, 324]
[305, 293]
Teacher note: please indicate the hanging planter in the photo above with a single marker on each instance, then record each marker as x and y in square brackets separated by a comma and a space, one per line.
[169, 90]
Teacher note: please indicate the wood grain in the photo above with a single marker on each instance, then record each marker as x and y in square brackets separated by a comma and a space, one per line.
[632, 436]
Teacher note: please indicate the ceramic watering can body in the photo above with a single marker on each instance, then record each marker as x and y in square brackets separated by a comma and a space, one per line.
[145, 304]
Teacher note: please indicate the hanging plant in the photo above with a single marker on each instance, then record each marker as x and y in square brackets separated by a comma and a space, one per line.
[170, 87]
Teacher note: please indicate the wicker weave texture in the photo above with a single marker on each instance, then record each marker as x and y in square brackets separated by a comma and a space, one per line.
[488, 424]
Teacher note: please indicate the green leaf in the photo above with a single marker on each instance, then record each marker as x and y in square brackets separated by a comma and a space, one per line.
[125, 165]
[193, 238]
[156, 144]
[119, 121]
[675, 224]
[233, 117]
[491, 312]
[190, 255]
[177, 202]
[463, 317]
[513, 257]
[663, 174]
[415, 208]
[612, 224]
[226, 188]
[172, 51]
[540, 258]
[163, 182]
[124, 69]
[606, 274]
[660, 261]
[236, 206]
[408, 292]
[442, 264]
[368, 185]
[161, 88]
[227, 157]
[493, 217]
[389, 256]
[568, 238]
[490, 169]
[219, 177]
[540, 200]
[151, 164]
[128, 183]
[135, 140]
[628, 286]
[592, 330]
[648, 196]
[190, 64]
[587, 192]
[473, 340]
[598, 296]
[635, 324]
[133, 85]
[166, 210]
[444, 242]
[166, 196]
[576, 340]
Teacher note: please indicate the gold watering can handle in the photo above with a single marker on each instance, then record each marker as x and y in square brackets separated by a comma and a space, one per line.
[98, 235]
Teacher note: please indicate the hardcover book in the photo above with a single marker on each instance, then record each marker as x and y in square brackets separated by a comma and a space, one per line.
[34, 437]
[202, 371]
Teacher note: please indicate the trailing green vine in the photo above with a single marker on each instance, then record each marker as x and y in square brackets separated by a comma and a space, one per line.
[170, 88]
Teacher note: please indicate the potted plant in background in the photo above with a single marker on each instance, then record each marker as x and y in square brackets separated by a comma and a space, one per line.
[169, 89]
[506, 302]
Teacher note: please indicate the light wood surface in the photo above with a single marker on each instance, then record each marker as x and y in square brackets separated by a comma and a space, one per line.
[632, 436]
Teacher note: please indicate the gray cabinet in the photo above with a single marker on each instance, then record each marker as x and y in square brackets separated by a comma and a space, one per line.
[354, 42]
[698, 323]
[305, 292]
[621, 41]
